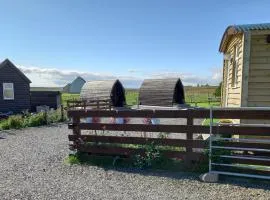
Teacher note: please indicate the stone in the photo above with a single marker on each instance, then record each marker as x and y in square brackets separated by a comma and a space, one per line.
[209, 177]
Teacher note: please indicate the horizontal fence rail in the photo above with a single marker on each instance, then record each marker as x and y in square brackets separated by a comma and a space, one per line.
[103, 104]
[193, 113]
[190, 149]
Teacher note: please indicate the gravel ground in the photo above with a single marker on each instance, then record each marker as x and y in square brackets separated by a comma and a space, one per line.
[32, 167]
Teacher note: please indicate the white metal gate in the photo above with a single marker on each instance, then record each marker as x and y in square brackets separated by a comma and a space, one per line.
[214, 164]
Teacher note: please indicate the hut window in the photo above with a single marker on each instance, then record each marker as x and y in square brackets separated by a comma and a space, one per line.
[235, 65]
[8, 91]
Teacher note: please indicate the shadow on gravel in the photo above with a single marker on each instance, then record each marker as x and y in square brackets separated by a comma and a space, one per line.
[245, 182]
[159, 173]
[177, 173]
[242, 182]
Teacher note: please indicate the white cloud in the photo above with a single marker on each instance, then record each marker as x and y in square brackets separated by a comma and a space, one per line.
[192, 79]
[217, 74]
[133, 70]
[46, 77]
[49, 77]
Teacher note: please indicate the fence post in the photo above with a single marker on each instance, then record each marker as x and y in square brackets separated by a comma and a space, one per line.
[62, 112]
[189, 136]
[76, 122]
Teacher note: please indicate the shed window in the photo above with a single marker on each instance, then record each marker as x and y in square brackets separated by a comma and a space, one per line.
[8, 91]
[235, 65]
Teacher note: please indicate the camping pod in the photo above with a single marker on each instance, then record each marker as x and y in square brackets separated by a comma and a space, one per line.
[112, 90]
[162, 92]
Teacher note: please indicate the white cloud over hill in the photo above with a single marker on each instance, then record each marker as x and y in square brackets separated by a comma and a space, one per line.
[48, 77]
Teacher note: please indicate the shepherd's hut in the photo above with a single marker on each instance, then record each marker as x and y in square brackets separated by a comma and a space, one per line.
[246, 65]
[112, 90]
[162, 92]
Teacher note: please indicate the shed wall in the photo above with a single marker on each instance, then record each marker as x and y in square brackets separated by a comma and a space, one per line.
[76, 86]
[233, 93]
[21, 91]
[259, 71]
[49, 98]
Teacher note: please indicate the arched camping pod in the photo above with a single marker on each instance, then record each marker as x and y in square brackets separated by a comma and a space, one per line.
[106, 89]
[162, 92]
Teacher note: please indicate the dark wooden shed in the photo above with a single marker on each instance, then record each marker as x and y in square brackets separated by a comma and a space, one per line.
[14, 89]
[162, 92]
[42, 97]
[104, 90]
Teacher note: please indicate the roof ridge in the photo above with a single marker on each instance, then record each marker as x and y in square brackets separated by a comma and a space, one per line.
[8, 62]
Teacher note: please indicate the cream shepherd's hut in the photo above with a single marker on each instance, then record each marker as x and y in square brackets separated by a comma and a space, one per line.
[246, 65]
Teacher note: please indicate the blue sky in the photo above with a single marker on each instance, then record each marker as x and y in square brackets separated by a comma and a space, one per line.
[129, 39]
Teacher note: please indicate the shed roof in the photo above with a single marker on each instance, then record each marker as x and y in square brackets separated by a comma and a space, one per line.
[46, 89]
[78, 79]
[159, 92]
[10, 64]
[236, 29]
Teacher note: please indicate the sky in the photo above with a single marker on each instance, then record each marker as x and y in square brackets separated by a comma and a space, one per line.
[52, 42]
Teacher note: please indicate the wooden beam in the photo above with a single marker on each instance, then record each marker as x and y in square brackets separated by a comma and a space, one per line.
[245, 70]
[140, 140]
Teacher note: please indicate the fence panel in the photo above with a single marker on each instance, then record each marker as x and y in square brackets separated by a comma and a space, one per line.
[115, 145]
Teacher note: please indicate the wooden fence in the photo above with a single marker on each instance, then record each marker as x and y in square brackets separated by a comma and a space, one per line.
[190, 145]
[94, 104]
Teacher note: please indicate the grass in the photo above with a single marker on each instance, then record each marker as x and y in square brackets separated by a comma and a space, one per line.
[192, 95]
[122, 162]
[205, 104]
[132, 97]
[206, 122]
[153, 158]
[68, 96]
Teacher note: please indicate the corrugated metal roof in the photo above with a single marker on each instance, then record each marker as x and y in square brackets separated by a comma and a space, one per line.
[250, 27]
[236, 29]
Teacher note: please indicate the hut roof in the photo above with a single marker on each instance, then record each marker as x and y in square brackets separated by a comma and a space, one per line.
[105, 89]
[237, 29]
[160, 92]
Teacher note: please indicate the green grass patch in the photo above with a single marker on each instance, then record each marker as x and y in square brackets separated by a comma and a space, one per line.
[153, 158]
[132, 97]
[32, 120]
[206, 122]
[68, 96]
[205, 104]
[122, 162]
[192, 95]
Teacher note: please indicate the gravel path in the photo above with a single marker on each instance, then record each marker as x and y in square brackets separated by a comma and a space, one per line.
[32, 167]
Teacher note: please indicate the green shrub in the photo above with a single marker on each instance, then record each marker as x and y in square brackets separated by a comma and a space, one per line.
[4, 125]
[56, 116]
[38, 119]
[15, 122]
[72, 159]
[150, 158]
[217, 92]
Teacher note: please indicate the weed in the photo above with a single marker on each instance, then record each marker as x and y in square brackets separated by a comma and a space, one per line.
[149, 158]
[4, 125]
[37, 119]
[15, 122]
